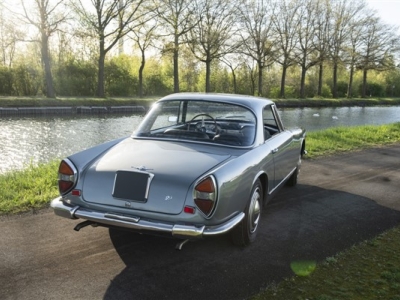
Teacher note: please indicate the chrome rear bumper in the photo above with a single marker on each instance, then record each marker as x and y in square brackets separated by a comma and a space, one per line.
[135, 223]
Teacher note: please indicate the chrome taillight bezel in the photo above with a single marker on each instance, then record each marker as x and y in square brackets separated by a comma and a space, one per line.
[205, 196]
[71, 178]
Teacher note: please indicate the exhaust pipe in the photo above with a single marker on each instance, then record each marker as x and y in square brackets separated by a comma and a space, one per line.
[84, 224]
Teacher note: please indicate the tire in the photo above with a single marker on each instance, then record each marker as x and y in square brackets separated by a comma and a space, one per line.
[292, 181]
[246, 231]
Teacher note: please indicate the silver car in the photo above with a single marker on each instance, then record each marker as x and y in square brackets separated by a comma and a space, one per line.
[198, 165]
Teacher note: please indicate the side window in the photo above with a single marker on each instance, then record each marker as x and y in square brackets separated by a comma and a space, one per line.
[271, 127]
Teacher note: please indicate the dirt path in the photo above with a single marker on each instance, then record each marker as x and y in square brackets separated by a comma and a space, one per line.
[340, 201]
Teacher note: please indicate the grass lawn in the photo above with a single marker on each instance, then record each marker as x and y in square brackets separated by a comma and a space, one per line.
[370, 270]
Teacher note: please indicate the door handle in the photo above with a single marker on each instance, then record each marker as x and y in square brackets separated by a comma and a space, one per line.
[275, 150]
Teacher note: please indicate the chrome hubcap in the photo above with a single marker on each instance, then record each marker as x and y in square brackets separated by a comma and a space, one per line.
[254, 210]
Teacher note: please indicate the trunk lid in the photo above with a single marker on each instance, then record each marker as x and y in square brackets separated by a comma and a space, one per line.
[175, 167]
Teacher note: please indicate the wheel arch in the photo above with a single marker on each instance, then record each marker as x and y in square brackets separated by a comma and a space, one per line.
[303, 148]
[263, 177]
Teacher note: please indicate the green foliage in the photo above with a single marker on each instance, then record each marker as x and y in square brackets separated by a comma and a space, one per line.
[6, 81]
[374, 90]
[274, 92]
[342, 88]
[119, 80]
[392, 81]
[220, 79]
[75, 78]
[27, 80]
[326, 91]
[290, 92]
[78, 77]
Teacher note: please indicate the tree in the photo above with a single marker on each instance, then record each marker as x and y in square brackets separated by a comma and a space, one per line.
[322, 19]
[211, 39]
[9, 36]
[257, 37]
[305, 52]
[343, 12]
[176, 16]
[232, 64]
[286, 22]
[378, 44]
[109, 21]
[351, 54]
[46, 17]
[143, 37]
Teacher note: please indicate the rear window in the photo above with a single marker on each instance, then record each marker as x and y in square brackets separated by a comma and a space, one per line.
[199, 121]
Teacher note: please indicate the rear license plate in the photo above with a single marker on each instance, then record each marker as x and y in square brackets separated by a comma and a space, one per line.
[133, 186]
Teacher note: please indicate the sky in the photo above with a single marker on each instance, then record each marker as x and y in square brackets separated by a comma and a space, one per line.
[388, 10]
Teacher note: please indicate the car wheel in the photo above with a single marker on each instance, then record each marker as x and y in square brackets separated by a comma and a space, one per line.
[245, 232]
[292, 181]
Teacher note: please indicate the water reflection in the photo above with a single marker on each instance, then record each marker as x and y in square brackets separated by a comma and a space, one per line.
[317, 119]
[44, 138]
[26, 140]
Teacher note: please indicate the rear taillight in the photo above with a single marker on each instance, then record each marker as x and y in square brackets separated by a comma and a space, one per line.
[67, 176]
[205, 195]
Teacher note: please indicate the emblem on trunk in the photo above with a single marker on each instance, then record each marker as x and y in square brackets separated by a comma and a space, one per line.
[142, 168]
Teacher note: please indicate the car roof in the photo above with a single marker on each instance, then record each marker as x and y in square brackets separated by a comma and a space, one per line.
[248, 101]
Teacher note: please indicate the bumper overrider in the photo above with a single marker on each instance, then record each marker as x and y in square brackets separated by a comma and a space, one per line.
[135, 223]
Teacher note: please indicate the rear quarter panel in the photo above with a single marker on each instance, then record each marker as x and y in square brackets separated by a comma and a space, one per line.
[236, 178]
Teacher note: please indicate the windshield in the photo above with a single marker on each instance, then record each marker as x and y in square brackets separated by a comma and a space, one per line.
[199, 121]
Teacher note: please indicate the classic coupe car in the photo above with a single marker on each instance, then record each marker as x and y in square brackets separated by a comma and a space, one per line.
[198, 165]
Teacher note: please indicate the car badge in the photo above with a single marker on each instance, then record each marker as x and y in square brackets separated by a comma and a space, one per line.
[141, 168]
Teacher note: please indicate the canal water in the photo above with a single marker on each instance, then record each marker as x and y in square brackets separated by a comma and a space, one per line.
[40, 139]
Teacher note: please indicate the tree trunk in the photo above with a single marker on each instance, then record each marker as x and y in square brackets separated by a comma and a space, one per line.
[320, 78]
[47, 67]
[100, 75]
[350, 87]
[142, 63]
[334, 87]
[364, 84]
[176, 65]
[208, 76]
[303, 81]
[260, 79]
[234, 82]
[283, 80]
[253, 82]
[233, 79]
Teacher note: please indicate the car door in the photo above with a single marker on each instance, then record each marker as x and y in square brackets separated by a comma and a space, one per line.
[280, 141]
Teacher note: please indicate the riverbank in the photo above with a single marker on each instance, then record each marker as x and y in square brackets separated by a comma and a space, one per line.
[15, 106]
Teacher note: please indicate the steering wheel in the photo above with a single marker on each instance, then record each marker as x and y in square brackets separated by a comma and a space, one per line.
[201, 127]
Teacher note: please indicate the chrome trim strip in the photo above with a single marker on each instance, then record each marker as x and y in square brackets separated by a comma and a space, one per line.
[177, 230]
[225, 227]
[121, 217]
[73, 177]
[283, 181]
[187, 231]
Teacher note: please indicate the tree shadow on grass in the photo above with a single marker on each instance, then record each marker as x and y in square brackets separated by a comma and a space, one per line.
[305, 223]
